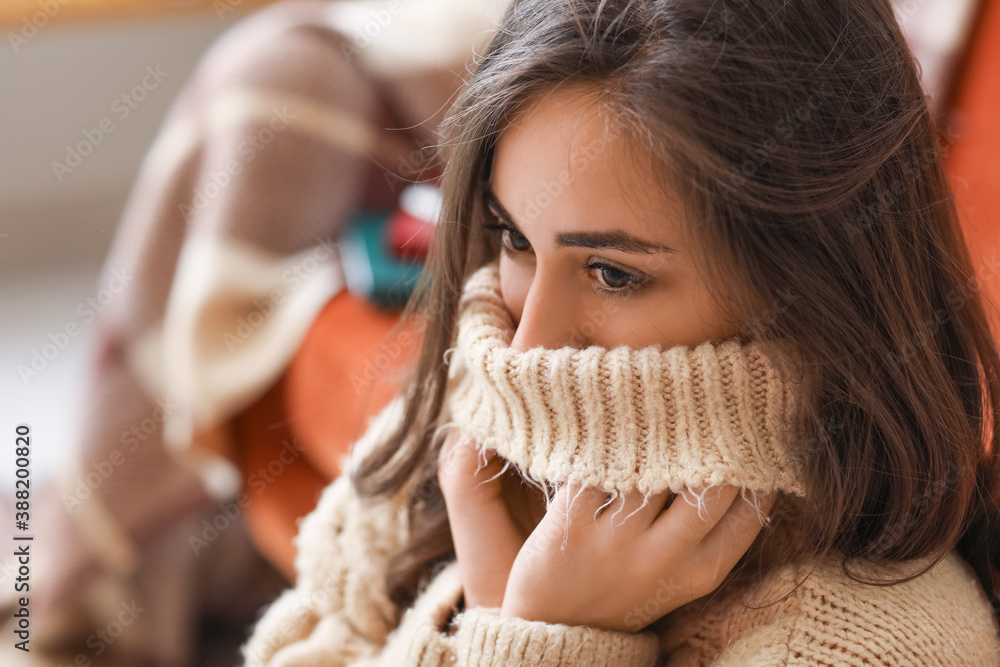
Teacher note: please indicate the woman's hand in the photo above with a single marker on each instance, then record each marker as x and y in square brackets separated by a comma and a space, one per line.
[622, 574]
[486, 536]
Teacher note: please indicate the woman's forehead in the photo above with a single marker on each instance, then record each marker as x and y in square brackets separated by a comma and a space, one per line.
[560, 160]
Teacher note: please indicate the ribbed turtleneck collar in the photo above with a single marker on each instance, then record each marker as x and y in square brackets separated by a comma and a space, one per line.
[649, 419]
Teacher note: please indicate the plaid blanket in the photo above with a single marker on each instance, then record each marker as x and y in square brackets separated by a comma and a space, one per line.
[298, 116]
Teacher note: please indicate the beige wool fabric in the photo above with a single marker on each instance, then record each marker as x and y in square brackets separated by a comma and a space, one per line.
[649, 419]
[339, 612]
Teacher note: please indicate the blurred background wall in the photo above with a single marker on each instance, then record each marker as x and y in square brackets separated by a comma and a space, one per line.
[88, 63]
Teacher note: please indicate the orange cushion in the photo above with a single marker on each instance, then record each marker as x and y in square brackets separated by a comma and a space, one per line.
[292, 438]
[972, 159]
[346, 370]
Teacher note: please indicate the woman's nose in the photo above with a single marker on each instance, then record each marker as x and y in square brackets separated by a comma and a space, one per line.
[547, 319]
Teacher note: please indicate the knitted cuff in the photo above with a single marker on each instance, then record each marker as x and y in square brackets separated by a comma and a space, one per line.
[486, 639]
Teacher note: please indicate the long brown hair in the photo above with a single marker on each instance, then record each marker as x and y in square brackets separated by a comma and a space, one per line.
[799, 138]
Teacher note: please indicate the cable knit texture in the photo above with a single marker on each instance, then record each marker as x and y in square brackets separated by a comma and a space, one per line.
[339, 612]
[650, 419]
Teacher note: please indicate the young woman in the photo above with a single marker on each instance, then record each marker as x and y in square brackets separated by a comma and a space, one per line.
[706, 376]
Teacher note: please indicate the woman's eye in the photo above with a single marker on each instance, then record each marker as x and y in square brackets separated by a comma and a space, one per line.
[516, 240]
[616, 281]
[511, 240]
[611, 280]
[613, 277]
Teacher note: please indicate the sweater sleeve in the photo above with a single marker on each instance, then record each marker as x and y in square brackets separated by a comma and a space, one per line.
[484, 638]
[339, 613]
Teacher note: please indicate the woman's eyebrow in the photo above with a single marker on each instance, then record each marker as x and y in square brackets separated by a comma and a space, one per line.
[615, 240]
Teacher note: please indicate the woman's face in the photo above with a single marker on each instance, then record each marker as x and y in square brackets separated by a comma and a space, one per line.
[593, 252]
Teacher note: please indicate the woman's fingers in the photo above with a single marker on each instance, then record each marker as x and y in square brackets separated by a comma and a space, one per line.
[579, 502]
[619, 547]
[485, 537]
[713, 539]
[632, 511]
[739, 527]
[705, 518]
[628, 510]
[692, 515]
[466, 472]
[725, 544]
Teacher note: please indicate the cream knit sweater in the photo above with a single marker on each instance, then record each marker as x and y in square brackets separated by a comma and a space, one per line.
[648, 419]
